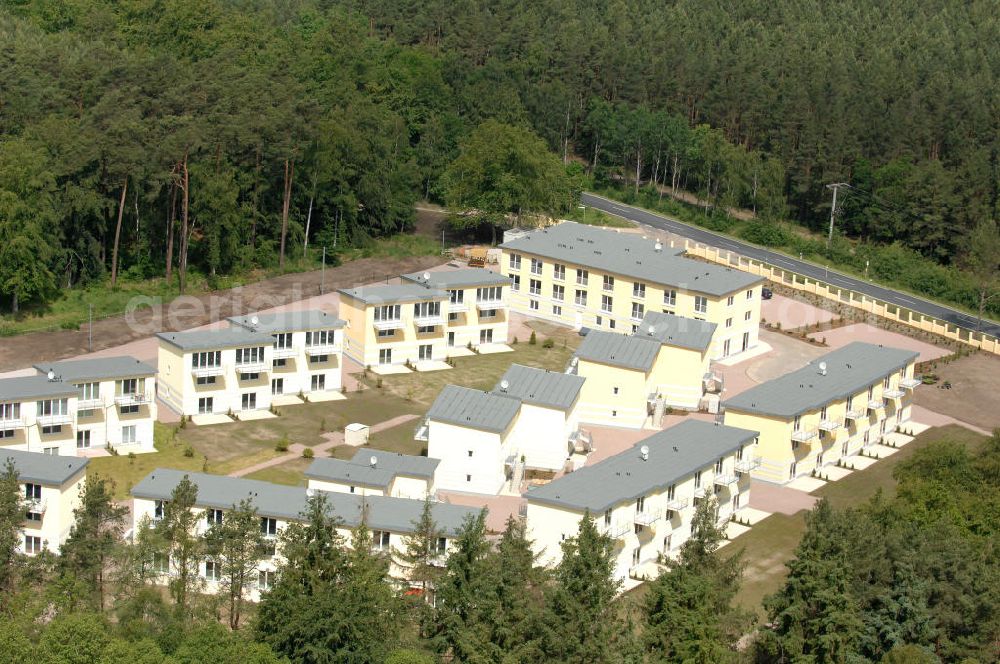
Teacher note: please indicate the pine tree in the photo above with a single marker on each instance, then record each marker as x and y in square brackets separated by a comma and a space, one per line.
[88, 552]
[178, 533]
[516, 597]
[235, 545]
[420, 555]
[11, 518]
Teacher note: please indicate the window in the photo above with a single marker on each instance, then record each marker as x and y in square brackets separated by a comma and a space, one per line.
[750, 294]
[609, 282]
[268, 526]
[700, 304]
[614, 390]
[212, 358]
[729, 301]
[515, 284]
[614, 413]
[128, 434]
[51, 451]
[212, 570]
[556, 310]
[252, 355]
[559, 272]
[213, 517]
[514, 260]
[580, 298]
[426, 309]
[248, 400]
[317, 382]
[318, 359]
[535, 287]
[159, 508]
[850, 403]
[82, 440]
[640, 504]
[611, 323]
[277, 386]
[426, 329]
[456, 296]
[729, 322]
[253, 375]
[49, 407]
[638, 310]
[636, 552]
[697, 480]
[468, 478]
[206, 405]
[871, 392]
[34, 517]
[442, 544]
[90, 391]
[607, 517]
[671, 490]
[533, 305]
[797, 424]
[6, 433]
[321, 338]
[606, 303]
[746, 316]
[582, 277]
[638, 290]
[52, 428]
[385, 356]
[32, 491]
[452, 316]
[822, 413]
[425, 352]
[161, 563]
[32, 544]
[130, 386]
[380, 539]
[558, 293]
[265, 579]
[489, 294]
[134, 408]
[382, 334]
[470, 453]
[283, 340]
[488, 313]
[207, 380]
[718, 467]
[536, 266]
[598, 321]
[670, 298]
[885, 383]
[387, 312]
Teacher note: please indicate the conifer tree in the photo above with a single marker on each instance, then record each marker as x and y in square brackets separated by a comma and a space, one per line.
[516, 597]
[11, 517]
[178, 533]
[420, 554]
[235, 545]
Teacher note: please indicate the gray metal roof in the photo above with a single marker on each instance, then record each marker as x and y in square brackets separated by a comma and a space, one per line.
[552, 389]
[849, 370]
[620, 350]
[677, 331]
[42, 468]
[33, 387]
[628, 255]
[101, 368]
[288, 321]
[465, 278]
[464, 406]
[230, 337]
[393, 293]
[674, 454]
[359, 470]
[288, 502]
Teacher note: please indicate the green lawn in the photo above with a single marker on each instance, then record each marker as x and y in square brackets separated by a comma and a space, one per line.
[287, 473]
[769, 544]
[594, 217]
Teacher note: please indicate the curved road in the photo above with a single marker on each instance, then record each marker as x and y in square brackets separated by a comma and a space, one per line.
[811, 270]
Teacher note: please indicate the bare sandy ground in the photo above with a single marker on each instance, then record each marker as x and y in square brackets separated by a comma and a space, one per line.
[842, 336]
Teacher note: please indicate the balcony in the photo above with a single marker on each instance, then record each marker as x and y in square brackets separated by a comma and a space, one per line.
[726, 480]
[700, 492]
[133, 399]
[13, 423]
[876, 404]
[251, 367]
[647, 517]
[35, 505]
[804, 435]
[389, 324]
[909, 383]
[422, 432]
[322, 349]
[284, 353]
[677, 504]
[617, 531]
[54, 420]
[456, 307]
[748, 465]
[854, 415]
[87, 404]
[432, 320]
[483, 305]
[893, 394]
[210, 370]
[581, 441]
[829, 425]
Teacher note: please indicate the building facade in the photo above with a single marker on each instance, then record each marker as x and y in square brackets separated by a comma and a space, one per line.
[477, 304]
[51, 489]
[829, 410]
[645, 498]
[307, 350]
[587, 277]
[375, 473]
[38, 414]
[116, 401]
[389, 519]
[218, 371]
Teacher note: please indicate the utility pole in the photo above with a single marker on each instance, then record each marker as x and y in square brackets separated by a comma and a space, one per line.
[833, 208]
[322, 274]
[90, 328]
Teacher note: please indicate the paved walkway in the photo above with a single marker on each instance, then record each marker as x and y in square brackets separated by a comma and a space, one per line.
[333, 439]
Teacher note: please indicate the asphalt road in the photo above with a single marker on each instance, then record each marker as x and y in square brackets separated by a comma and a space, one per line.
[811, 270]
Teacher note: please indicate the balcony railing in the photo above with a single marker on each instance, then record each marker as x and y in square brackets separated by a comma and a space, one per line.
[322, 349]
[804, 435]
[35, 505]
[251, 367]
[54, 420]
[617, 530]
[210, 370]
[428, 321]
[490, 304]
[647, 517]
[89, 404]
[748, 465]
[133, 399]
[677, 504]
[284, 353]
[700, 492]
[875, 404]
[854, 414]
[13, 423]
[829, 425]
[455, 307]
[909, 383]
[389, 324]
[893, 394]
[726, 480]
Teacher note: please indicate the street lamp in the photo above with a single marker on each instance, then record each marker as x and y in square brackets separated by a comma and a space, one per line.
[584, 208]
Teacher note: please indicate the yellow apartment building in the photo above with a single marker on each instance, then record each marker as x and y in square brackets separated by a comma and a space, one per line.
[38, 414]
[375, 473]
[645, 497]
[306, 354]
[477, 304]
[216, 371]
[51, 487]
[116, 401]
[389, 519]
[828, 410]
[588, 277]
[631, 376]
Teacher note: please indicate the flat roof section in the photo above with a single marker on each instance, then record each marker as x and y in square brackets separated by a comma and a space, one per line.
[464, 406]
[288, 321]
[34, 387]
[95, 369]
[551, 389]
[619, 350]
[679, 331]
[465, 278]
[360, 470]
[215, 339]
[43, 468]
[394, 293]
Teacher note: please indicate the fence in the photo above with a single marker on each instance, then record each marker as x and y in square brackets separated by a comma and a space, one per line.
[846, 296]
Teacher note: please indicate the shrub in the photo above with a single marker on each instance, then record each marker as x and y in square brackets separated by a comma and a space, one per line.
[514, 343]
[282, 444]
[308, 453]
[378, 382]
[189, 451]
[548, 343]
[768, 234]
[532, 340]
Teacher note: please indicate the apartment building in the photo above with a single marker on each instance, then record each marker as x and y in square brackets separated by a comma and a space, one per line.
[644, 498]
[51, 488]
[588, 277]
[528, 422]
[830, 409]
[115, 401]
[38, 414]
[307, 350]
[375, 473]
[216, 371]
[477, 304]
[395, 324]
[390, 519]
[629, 377]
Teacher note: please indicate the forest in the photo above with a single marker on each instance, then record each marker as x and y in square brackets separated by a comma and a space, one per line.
[907, 578]
[144, 138]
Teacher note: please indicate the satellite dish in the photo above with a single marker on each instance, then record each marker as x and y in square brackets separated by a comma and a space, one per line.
[822, 368]
[52, 374]
[373, 460]
[575, 361]
[644, 451]
[504, 384]
[427, 276]
[254, 320]
[310, 492]
[652, 329]
[658, 245]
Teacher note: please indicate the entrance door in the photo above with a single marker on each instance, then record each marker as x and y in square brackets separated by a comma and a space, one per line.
[277, 386]
[725, 348]
[792, 472]
[82, 439]
[206, 405]
[318, 382]
[486, 336]
[249, 401]
[746, 340]
[425, 352]
[385, 356]
[451, 339]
